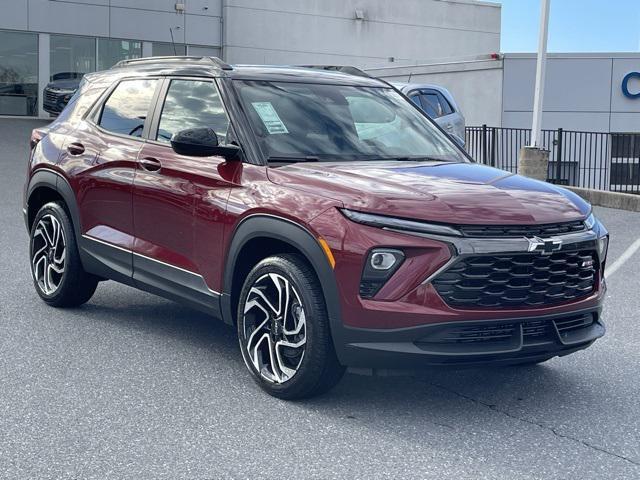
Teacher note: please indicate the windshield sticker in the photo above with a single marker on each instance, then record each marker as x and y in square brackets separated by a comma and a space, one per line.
[270, 117]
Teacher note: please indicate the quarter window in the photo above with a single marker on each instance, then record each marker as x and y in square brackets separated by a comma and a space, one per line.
[126, 109]
[192, 104]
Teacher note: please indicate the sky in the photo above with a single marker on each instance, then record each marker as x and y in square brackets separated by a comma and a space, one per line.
[574, 25]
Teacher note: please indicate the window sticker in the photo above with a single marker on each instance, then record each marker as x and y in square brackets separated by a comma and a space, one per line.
[270, 118]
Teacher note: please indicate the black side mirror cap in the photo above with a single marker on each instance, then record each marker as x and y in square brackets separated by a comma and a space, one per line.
[202, 142]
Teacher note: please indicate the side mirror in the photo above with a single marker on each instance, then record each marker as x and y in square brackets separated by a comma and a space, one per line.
[202, 142]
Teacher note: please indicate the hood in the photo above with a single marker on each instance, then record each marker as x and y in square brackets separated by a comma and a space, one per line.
[462, 193]
[65, 84]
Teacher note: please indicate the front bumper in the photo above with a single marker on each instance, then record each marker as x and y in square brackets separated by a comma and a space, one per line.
[469, 343]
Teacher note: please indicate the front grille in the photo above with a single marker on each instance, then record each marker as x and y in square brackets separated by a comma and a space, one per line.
[522, 230]
[50, 96]
[518, 280]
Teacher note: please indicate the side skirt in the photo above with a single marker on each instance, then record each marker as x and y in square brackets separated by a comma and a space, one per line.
[124, 266]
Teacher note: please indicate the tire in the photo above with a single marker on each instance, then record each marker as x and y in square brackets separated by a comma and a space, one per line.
[56, 269]
[283, 329]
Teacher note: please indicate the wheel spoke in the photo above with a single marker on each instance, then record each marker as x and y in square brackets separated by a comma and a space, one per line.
[60, 259]
[263, 298]
[255, 353]
[45, 276]
[48, 235]
[57, 233]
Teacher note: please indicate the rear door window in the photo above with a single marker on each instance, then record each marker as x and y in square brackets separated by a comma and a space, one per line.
[444, 103]
[127, 108]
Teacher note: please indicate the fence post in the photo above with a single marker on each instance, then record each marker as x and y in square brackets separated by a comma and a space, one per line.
[559, 157]
[484, 144]
[494, 142]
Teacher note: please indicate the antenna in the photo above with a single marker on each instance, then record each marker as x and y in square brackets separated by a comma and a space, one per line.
[175, 52]
[409, 79]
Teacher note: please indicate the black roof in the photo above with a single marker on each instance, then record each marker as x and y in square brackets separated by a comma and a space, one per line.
[212, 66]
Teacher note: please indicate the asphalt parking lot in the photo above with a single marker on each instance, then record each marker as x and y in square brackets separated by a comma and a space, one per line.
[134, 386]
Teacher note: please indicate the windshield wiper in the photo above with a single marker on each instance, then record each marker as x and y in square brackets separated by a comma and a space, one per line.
[276, 159]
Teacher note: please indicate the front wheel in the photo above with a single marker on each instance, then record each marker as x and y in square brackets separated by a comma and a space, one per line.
[283, 329]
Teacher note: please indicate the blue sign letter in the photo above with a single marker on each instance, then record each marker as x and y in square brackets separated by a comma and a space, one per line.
[625, 85]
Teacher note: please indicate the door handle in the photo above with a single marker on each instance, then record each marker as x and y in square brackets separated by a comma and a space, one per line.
[75, 148]
[150, 164]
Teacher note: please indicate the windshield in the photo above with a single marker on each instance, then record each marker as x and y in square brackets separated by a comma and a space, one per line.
[307, 121]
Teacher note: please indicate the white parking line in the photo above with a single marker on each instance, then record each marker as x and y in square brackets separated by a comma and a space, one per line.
[610, 270]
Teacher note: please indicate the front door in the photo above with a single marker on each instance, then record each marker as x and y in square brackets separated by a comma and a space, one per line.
[168, 194]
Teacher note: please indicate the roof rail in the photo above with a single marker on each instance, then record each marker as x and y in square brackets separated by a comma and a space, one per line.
[150, 60]
[339, 68]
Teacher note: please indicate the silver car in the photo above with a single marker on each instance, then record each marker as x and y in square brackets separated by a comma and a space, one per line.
[438, 103]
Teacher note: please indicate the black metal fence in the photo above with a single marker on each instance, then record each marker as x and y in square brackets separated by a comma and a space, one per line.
[604, 161]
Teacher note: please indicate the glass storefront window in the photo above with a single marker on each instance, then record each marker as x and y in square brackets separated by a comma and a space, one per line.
[72, 57]
[18, 73]
[111, 51]
[168, 49]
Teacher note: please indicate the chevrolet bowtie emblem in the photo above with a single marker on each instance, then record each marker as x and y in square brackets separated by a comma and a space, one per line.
[546, 246]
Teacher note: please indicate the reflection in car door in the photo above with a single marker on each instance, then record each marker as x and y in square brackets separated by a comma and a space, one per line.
[175, 196]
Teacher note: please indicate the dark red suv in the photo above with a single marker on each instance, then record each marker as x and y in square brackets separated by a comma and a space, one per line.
[322, 213]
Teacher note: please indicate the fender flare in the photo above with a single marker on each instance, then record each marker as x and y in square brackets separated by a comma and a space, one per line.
[299, 237]
[59, 184]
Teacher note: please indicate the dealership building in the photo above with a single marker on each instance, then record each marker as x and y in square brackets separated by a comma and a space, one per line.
[43, 40]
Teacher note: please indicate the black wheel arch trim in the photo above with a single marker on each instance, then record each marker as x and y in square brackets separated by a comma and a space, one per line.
[56, 182]
[300, 238]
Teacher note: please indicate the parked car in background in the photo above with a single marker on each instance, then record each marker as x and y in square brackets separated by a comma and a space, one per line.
[435, 100]
[321, 213]
[59, 91]
[438, 103]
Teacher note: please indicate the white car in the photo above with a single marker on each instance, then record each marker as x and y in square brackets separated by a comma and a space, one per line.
[438, 103]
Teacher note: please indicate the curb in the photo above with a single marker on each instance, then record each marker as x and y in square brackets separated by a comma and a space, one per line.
[602, 198]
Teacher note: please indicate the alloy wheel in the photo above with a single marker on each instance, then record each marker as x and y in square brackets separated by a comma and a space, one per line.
[274, 330]
[48, 250]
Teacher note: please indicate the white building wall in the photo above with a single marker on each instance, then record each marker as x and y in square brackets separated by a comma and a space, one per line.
[582, 92]
[476, 85]
[199, 24]
[409, 31]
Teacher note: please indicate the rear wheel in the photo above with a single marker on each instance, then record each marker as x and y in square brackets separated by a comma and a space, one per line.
[56, 269]
[283, 329]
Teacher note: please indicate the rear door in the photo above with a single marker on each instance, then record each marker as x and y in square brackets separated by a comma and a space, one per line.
[105, 147]
[438, 108]
[179, 201]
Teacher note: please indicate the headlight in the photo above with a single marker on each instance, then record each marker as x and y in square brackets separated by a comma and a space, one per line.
[603, 247]
[592, 223]
[380, 265]
[392, 223]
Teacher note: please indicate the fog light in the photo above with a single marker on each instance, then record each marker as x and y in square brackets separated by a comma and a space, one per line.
[383, 260]
[379, 267]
